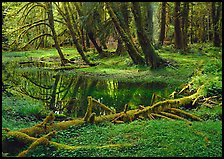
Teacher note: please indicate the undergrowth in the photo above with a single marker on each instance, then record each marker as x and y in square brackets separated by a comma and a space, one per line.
[159, 138]
[149, 139]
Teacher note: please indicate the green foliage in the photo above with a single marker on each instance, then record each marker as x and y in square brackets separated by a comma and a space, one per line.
[211, 77]
[19, 112]
[206, 113]
[213, 67]
[23, 107]
[149, 138]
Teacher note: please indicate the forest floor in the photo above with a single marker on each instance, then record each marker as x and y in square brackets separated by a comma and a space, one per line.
[156, 138]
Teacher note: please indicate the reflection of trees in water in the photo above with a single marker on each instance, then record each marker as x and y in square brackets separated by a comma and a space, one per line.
[67, 93]
[60, 92]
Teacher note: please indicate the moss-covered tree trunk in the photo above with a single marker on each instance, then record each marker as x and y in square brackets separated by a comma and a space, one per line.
[54, 35]
[74, 36]
[132, 51]
[148, 19]
[93, 40]
[151, 57]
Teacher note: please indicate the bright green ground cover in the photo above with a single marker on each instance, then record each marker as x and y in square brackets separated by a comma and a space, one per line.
[149, 138]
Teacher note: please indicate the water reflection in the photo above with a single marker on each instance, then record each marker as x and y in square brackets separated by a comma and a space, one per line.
[66, 92]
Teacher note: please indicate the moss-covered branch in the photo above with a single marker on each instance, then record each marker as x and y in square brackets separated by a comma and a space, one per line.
[130, 115]
[35, 38]
[45, 140]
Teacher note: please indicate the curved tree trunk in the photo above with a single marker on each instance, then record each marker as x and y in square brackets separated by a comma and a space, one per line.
[93, 40]
[151, 57]
[120, 47]
[51, 22]
[74, 36]
[132, 51]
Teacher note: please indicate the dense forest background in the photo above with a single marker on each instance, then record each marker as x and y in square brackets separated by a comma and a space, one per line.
[136, 27]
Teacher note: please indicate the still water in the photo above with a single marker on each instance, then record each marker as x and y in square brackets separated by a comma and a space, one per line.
[67, 92]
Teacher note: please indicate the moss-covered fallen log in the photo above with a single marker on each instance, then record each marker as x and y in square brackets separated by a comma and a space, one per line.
[45, 140]
[167, 109]
[127, 116]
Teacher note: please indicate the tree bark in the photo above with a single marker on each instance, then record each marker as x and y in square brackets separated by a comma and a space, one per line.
[93, 40]
[163, 23]
[90, 34]
[51, 22]
[216, 9]
[120, 47]
[149, 21]
[151, 57]
[177, 29]
[74, 36]
[132, 51]
[185, 24]
[87, 41]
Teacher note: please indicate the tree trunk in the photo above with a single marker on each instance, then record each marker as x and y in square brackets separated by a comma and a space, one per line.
[120, 47]
[177, 29]
[83, 40]
[51, 22]
[163, 23]
[87, 41]
[149, 20]
[132, 51]
[216, 9]
[93, 40]
[151, 57]
[74, 36]
[53, 95]
[125, 116]
[185, 24]
[191, 24]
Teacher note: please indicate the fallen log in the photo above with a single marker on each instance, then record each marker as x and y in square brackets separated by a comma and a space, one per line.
[127, 116]
[167, 109]
[45, 140]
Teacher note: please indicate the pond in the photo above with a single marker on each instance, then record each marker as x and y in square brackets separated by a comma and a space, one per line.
[66, 91]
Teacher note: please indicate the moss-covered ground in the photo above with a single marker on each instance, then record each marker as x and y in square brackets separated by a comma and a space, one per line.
[156, 138]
